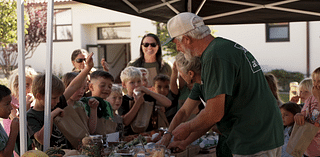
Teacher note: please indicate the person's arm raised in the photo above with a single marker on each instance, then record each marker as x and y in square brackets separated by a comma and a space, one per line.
[173, 80]
[163, 100]
[14, 130]
[76, 83]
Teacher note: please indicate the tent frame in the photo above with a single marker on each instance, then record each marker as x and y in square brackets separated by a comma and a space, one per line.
[48, 79]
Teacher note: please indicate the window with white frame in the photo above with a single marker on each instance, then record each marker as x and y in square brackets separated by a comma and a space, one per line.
[62, 25]
[119, 30]
[277, 32]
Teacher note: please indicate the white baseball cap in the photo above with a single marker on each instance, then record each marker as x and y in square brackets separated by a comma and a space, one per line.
[181, 24]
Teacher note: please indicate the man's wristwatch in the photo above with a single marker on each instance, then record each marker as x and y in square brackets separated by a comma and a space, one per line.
[168, 132]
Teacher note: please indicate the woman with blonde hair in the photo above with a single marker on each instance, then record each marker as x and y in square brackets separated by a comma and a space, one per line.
[13, 85]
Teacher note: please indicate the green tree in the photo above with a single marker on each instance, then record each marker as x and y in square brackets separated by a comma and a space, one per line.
[8, 34]
[35, 32]
[8, 22]
[285, 77]
[162, 33]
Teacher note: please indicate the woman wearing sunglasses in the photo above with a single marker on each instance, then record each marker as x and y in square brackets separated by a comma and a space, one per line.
[151, 57]
[78, 59]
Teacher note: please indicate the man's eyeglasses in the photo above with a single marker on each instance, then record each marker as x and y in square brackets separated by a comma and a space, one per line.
[147, 44]
[80, 60]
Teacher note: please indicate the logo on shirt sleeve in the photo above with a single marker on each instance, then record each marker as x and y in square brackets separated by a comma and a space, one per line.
[255, 67]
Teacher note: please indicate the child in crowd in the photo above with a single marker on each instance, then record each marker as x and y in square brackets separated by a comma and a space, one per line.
[305, 90]
[161, 85]
[74, 100]
[288, 110]
[100, 87]
[131, 80]
[35, 116]
[273, 84]
[14, 87]
[310, 112]
[7, 143]
[59, 97]
[145, 76]
[115, 100]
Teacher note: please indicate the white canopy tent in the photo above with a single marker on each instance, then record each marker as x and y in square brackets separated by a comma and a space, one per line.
[22, 81]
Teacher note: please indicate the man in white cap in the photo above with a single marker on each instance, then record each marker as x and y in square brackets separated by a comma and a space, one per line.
[238, 97]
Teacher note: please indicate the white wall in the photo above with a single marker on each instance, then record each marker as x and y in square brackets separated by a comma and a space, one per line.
[86, 19]
[290, 56]
[314, 45]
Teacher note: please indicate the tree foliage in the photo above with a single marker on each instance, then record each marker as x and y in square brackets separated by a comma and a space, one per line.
[162, 33]
[35, 32]
[285, 77]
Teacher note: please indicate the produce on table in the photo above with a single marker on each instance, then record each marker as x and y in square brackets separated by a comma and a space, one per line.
[34, 153]
[55, 151]
[89, 148]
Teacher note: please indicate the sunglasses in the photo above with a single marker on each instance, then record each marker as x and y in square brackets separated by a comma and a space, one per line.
[147, 44]
[80, 60]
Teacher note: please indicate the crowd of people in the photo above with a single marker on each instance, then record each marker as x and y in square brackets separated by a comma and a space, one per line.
[214, 84]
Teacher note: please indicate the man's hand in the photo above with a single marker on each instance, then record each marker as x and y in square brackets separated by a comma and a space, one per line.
[177, 146]
[181, 132]
[165, 140]
[299, 119]
[93, 103]
[56, 112]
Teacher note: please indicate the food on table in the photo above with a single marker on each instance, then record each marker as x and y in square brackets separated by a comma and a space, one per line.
[34, 153]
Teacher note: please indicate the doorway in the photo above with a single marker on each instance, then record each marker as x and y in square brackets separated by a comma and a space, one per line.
[116, 55]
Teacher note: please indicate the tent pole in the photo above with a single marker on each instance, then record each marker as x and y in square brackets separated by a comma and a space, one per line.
[308, 49]
[22, 80]
[48, 91]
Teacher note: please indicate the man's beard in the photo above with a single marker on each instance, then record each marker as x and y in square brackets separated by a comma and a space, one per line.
[187, 53]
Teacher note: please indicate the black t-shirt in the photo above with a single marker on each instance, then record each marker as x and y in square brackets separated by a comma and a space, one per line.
[125, 108]
[35, 123]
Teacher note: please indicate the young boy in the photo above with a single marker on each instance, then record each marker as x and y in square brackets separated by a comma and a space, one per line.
[100, 86]
[115, 100]
[162, 86]
[145, 75]
[7, 143]
[131, 102]
[59, 97]
[35, 116]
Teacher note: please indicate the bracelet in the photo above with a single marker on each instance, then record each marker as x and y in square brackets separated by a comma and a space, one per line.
[168, 132]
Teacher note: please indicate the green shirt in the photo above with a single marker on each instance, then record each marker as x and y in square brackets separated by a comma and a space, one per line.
[103, 110]
[197, 92]
[252, 120]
